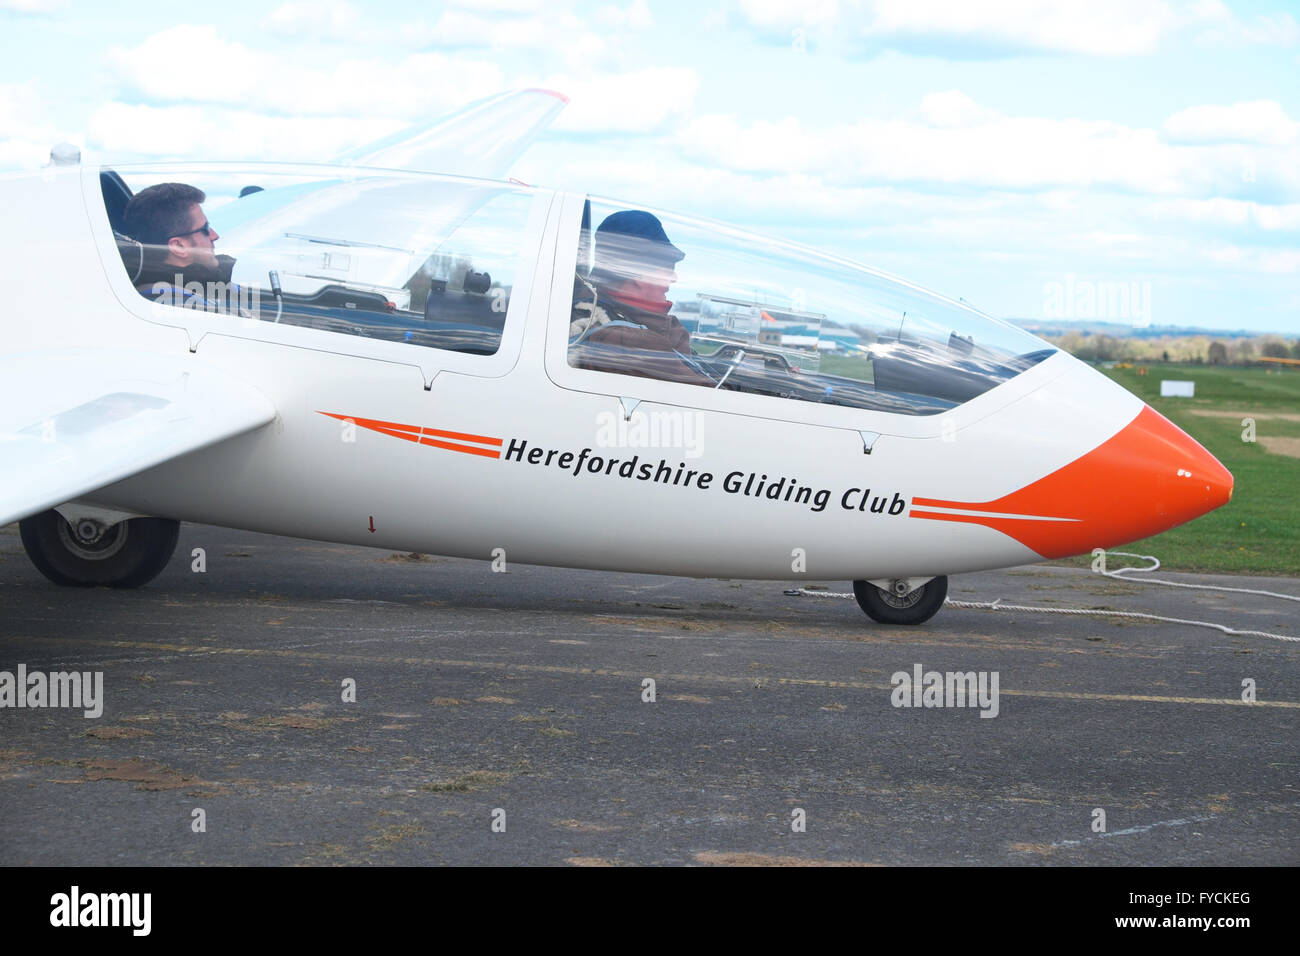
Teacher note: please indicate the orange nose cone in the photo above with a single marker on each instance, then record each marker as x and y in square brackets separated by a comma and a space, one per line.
[1147, 478]
[1180, 479]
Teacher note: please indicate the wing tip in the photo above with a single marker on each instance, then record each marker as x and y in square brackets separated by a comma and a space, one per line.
[558, 95]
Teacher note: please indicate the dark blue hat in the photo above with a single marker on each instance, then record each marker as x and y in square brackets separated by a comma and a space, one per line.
[639, 224]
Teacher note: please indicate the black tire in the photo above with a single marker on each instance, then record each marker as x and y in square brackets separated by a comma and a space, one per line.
[127, 555]
[916, 608]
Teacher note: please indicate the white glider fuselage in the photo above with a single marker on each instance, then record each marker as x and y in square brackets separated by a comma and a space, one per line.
[414, 448]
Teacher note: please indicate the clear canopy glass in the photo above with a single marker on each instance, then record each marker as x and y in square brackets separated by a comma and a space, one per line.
[667, 297]
[414, 258]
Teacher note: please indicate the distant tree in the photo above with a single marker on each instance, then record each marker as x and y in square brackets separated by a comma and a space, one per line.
[1243, 351]
[1276, 349]
[1218, 353]
[1071, 342]
[1083, 347]
[1107, 348]
[1295, 349]
[1164, 356]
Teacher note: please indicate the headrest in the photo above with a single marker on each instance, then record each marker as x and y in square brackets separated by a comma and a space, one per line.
[132, 253]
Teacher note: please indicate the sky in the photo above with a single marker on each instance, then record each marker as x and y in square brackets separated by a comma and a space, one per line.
[1135, 161]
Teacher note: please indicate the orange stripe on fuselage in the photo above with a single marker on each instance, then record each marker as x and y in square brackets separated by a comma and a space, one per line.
[461, 436]
[485, 452]
[413, 433]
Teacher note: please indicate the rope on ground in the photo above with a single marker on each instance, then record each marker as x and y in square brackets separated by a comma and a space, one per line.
[999, 606]
[1118, 573]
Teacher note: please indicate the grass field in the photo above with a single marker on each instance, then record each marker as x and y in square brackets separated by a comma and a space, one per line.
[848, 366]
[1259, 530]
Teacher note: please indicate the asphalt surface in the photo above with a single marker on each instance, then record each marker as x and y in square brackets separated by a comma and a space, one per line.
[518, 698]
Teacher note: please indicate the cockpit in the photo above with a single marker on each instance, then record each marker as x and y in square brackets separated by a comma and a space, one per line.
[416, 259]
[666, 297]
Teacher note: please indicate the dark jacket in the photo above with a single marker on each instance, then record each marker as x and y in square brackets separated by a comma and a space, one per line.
[633, 341]
[163, 282]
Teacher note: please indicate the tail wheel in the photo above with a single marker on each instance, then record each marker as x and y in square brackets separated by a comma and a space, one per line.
[914, 607]
[89, 554]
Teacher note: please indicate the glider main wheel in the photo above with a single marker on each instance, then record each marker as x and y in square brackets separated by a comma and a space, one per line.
[89, 554]
[915, 607]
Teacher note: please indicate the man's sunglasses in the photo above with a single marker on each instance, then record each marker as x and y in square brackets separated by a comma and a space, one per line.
[206, 229]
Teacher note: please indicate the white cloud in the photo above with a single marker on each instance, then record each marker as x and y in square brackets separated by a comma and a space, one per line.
[957, 143]
[1220, 211]
[992, 28]
[635, 16]
[1245, 259]
[162, 68]
[1259, 121]
[1003, 152]
[1112, 238]
[32, 6]
[952, 109]
[506, 6]
[1280, 29]
[218, 133]
[417, 85]
[474, 28]
[987, 28]
[1277, 218]
[1225, 255]
[1219, 24]
[639, 101]
[544, 38]
[1281, 262]
[1095, 27]
[780, 15]
[18, 154]
[26, 134]
[333, 19]
[18, 104]
[548, 36]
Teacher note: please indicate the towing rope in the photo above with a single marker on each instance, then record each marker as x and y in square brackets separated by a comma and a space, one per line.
[997, 605]
[1119, 573]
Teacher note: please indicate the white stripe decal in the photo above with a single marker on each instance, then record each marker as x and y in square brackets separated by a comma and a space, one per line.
[986, 514]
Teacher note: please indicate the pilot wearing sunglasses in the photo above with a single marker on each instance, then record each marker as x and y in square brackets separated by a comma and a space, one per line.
[180, 248]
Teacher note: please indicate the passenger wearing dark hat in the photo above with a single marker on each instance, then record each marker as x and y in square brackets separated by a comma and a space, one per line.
[634, 260]
[626, 307]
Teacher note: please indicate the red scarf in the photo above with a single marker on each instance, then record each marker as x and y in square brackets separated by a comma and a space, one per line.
[661, 307]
